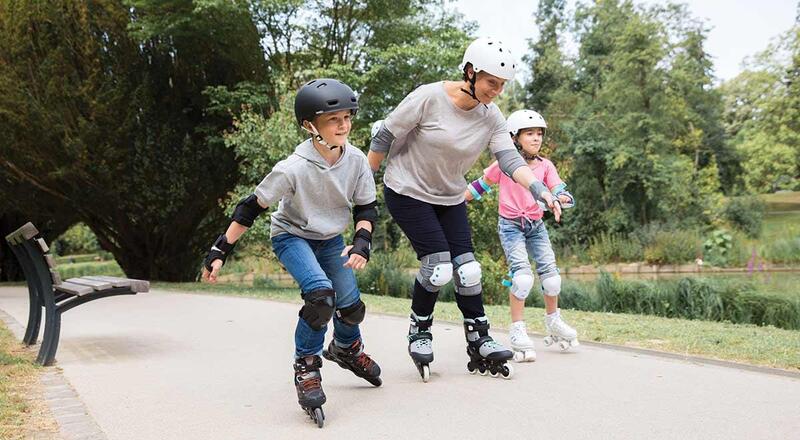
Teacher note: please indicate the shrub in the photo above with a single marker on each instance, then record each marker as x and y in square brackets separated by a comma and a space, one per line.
[745, 214]
[673, 247]
[78, 239]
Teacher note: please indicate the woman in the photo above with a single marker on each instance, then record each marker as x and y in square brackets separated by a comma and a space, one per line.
[442, 128]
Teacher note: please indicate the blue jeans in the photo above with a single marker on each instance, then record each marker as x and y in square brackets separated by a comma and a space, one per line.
[521, 239]
[318, 264]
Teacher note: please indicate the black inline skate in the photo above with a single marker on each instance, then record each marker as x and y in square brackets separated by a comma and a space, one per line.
[486, 356]
[354, 359]
[420, 347]
[308, 381]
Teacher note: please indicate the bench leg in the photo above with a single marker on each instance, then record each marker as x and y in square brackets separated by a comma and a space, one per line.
[34, 317]
[52, 331]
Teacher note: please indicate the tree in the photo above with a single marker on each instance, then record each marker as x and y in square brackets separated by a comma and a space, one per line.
[549, 71]
[124, 138]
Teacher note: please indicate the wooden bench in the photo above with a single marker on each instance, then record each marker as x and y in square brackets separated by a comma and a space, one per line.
[47, 290]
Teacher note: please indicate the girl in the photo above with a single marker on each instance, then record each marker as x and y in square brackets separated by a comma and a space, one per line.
[523, 234]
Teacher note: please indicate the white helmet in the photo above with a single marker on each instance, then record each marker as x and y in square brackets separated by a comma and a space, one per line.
[491, 56]
[525, 119]
[376, 126]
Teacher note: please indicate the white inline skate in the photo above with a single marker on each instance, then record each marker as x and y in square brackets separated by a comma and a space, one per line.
[559, 332]
[521, 344]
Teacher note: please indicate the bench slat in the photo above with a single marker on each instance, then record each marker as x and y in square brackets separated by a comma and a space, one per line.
[135, 285]
[96, 285]
[51, 262]
[55, 276]
[26, 232]
[74, 289]
[116, 282]
[43, 245]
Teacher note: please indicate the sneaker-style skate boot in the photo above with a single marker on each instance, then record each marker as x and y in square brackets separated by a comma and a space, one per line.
[485, 354]
[308, 381]
[521, 344]
[559, 332]
[420, 345]
[354, 359]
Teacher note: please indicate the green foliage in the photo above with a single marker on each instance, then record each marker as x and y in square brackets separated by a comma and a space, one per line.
[609, 247]
[78, 239]
[692, 298]
[125, 139]
[110, 268]
[785, 251]
[387, 274]
[673, 247]
[717, 247]
[761, 115]
[745, 214]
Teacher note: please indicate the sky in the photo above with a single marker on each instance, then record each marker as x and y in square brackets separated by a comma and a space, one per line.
[738, 28]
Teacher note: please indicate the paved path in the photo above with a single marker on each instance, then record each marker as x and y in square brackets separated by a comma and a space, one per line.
[180, 366]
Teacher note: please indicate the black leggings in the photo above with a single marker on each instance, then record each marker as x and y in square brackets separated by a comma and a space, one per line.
[431, 229]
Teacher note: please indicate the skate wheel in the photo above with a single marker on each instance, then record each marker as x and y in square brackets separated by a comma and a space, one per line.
[471, 369]
[508, 371]
[563, 345]
[519, 356]
[574, 343]
[319, 417]
[548, 341]
[376, 381]
[483, 371]
[426, 373]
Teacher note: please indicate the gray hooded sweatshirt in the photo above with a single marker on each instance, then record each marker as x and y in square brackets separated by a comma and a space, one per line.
[316, 198]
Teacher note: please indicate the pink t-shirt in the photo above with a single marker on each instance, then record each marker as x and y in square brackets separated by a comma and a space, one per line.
[516, 201]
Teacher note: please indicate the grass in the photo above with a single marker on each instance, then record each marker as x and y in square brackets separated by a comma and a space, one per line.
[764, 346]
[18, 376]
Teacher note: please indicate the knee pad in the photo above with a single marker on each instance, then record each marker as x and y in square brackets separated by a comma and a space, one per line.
[551, 286]
[435, 271]
[467, 274]
[352, 314]
[521, 285]
[318, 308]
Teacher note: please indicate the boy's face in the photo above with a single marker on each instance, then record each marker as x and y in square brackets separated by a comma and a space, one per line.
[531, 140]
[334, 126]
[488, 87]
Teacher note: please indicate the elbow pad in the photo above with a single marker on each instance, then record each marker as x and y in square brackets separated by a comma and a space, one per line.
[382, 140]
[509, 161]
[368, 212]
[247, 210]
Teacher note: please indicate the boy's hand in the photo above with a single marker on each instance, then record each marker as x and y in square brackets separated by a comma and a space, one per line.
[468, 195]
[563, 198]
[356, 262]
[211, 277]
[359, 250]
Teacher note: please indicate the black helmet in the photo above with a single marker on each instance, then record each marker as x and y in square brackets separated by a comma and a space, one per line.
[323, 95]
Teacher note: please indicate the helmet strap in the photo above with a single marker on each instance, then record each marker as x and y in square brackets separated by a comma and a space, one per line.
[471, 80]
[525, 155]
[318, 137]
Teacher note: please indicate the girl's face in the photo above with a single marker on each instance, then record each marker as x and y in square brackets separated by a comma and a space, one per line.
[333, 127]
[488, 87]
[531, 140]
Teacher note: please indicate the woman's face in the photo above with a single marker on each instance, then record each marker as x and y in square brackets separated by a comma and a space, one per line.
[488, 87]
[334, 126]
[531, 140]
